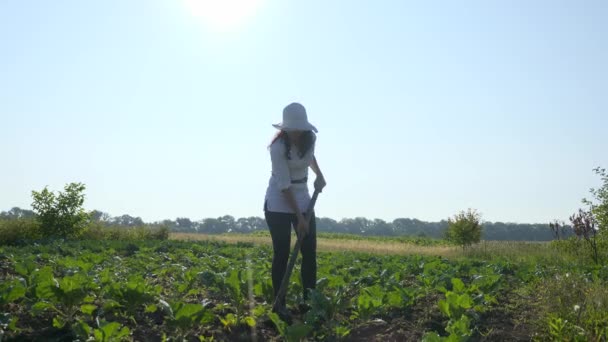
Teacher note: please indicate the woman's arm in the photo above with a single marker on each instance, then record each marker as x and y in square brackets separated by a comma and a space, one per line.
[320, 181]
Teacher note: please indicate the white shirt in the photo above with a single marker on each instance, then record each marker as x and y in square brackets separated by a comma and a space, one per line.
[283, 172]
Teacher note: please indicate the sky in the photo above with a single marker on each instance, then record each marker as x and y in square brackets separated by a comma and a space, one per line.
[163, 108]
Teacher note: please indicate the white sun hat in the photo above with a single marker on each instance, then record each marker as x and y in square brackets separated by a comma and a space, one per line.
[295, 119]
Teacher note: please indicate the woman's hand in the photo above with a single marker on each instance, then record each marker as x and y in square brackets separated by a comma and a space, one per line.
[320, 183]
[302, 227]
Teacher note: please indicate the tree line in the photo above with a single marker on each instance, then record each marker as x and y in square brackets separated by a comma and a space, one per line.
[357, 226]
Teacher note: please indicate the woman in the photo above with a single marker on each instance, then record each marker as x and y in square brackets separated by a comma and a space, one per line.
[287, 197]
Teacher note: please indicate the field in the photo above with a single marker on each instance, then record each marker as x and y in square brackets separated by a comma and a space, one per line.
[338, 242]
[218, 288]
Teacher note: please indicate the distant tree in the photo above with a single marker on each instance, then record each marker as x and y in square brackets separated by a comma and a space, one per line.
[380, 227]
[464, 228]
[61, 215]
[405, 226]
[227, 223]
[358, 225]
[127, 221]
[183, 224]
[325, 224]
[171, 225]
[249, 224]
[100, 216]
[16, 213]
[211, 226]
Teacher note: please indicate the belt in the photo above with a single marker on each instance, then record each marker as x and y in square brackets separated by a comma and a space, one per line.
[299, 181]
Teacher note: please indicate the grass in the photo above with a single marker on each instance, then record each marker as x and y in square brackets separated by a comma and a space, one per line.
[516, 251]
[486, 250]
[324, 244]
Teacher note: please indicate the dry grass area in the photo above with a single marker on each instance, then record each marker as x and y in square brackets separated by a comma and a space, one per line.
[333, 245]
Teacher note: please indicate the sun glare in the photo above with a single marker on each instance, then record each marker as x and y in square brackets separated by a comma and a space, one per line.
[224, 15]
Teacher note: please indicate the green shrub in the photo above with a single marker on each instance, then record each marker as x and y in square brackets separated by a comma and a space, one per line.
[464, 228]
[599, 207]
[576, 307]
[160, 233]
[98, 231]
[581, 250]
[61, 215]
[18, 230]
[590, 226]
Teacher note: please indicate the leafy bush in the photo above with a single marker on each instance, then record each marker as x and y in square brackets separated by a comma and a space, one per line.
[576, 307]
[464, 228]
[590, 226]
[99, 231]
[21, 231]
[599, 208]
[584, 226]
[17, 230]
[61, 215]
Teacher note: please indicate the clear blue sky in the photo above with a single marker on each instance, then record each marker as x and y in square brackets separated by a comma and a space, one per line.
[164, 108]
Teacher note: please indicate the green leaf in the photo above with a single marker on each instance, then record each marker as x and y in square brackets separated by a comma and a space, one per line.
[89, 299]
[82, 329]
[258, 290]
[12, 325]
[25, 268]
[458, 285]
[110, 329]
[99, 335]
[444, 307]
[489, 299]
[111, 332]
[250, 321]
[229, 321]
[17, 291]
[124, 332]
[47, 290]
[183, 287]
[42, 275]
[452, 298]
[58, 322]
[188, 311]
[41, 306]
[441, 288]
[342, 331]
[465, 301]
[259, 310]
[151, 308]
[110, 305]
[88, 309]
[207, 318]
[394, 298]
[281, 326]
[297, 332]
[460, 328]
[376, 292]
[364, 302]
[234, 283]
[432, 337]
